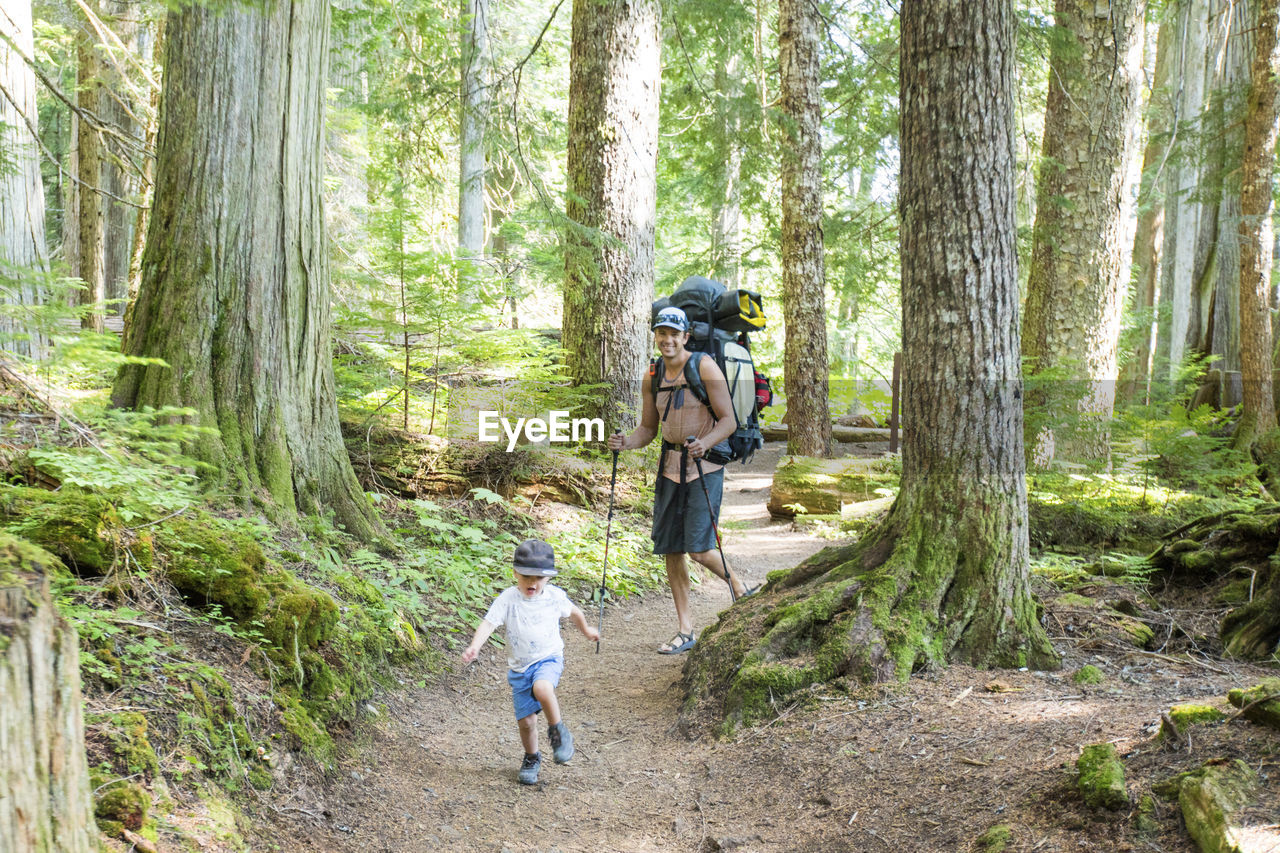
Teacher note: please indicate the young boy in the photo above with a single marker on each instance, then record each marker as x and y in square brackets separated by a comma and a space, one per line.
[532, 610]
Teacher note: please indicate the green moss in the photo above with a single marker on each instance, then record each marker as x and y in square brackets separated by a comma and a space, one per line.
[308, 734]
[1144, 819]
[1234, 592]
[996, 839]
[1185, 716]
[209, 563]
[1101, 779]
[1209, 797]
[127, 733]
[1088, 674]
[213, 564]
[1183, 546]
[210, 728]
[260, 778]
[79, 528]
[121, 806]
[1260, 703]
[1139, 633]
[1072, 599]
[1200, 562]
[297, 614]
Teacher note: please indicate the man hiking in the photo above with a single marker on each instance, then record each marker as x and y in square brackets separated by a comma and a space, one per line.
[685, 513]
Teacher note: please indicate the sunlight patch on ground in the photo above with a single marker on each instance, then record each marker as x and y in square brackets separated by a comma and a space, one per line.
[1263, 838]
[1033, 711]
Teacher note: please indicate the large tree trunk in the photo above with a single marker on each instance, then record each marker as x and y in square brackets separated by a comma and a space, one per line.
[473, 115]
[90, 252]
[120, 109]
[1216, 298]
[235, 280]
[22, 239]
[946, 575]
[1083, 236]
[1182, 207]
[726, 234]
[45, 802]
[804, 283]
[1260, 129]
[612, 206]
[1148, 241]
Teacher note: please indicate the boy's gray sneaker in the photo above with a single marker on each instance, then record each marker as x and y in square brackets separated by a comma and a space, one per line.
[561, 742]
[529, 768]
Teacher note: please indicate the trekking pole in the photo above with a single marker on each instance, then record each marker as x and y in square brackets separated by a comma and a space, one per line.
[613, 481]
[728, 577]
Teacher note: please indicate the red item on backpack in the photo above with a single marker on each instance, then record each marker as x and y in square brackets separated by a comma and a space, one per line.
[764, 394]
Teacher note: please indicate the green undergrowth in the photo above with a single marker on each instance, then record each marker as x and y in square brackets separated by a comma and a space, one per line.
[219, 650]
[1092, 513]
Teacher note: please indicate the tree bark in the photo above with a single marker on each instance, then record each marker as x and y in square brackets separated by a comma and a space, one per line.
[1148, 241]
[1256, 207]
[612, 200]
[1182, 208]
[235, 279]
[45, 802]
[473, 114]
[1216, 298]
[90, 252]
[726, 235]
[946, 575]
[804, 285]
[119, 108]
[1083, 237]
[22, 238]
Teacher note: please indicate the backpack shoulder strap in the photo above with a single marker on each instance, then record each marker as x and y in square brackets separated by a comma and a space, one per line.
[693, 378]
[655, 378]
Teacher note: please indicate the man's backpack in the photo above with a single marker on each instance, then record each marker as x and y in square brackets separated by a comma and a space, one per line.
[720, 320]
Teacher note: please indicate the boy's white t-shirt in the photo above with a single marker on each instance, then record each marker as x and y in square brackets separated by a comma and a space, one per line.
[533, 624]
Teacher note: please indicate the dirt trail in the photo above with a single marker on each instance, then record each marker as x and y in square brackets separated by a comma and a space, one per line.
[440, 773]
[924, 766]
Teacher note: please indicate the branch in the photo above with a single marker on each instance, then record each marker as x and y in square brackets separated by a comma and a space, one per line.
[54, 160]
[86, 116]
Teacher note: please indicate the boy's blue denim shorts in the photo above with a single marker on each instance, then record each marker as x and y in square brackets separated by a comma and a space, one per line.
[547, 669]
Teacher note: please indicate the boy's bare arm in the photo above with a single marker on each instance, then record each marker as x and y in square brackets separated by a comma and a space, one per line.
[477, 642]
[579, 619]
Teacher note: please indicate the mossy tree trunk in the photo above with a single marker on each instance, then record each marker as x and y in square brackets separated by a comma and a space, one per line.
[612, 199]
[1260, 129]
[45, 802]
[235, 281]
[945, 576]
[804, 281]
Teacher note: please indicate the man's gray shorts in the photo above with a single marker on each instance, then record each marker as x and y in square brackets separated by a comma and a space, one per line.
[681, 522]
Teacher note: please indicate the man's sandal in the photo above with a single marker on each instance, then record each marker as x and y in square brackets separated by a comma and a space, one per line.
[677, 645]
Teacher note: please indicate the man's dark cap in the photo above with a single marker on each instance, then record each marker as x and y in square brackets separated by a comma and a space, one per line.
[535, 558]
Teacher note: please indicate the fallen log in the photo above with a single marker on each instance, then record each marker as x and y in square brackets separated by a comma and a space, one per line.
[840, 432]
[828, 486]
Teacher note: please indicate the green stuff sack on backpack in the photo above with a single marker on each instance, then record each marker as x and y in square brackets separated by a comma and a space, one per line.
[720, 321]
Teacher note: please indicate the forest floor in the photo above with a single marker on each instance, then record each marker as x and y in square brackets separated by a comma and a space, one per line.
[929, 765]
